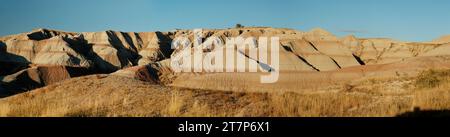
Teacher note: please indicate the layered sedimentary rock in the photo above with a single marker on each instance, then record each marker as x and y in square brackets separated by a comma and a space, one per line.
[147, 55]
[438, 51]
[158, 72]
[155, 47]
[41, 48]
[318, 34]
[116, 50]
[113, 50]
[442, 40]
[41, 34]
[24, 57]
[38, 76]
[309, 53]
[341, 55]
[108, 51]
[298, 51]
[382, 51]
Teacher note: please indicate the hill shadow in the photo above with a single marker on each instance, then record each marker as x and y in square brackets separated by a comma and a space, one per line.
[22, 83]
[12, 63]
[2, 47]
[165, 44]
[426, 113]
[81, 46]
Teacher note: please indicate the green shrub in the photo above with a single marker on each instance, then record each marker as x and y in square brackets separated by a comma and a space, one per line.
[239, 26]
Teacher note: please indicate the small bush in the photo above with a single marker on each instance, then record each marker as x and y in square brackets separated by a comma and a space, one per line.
[239, 26]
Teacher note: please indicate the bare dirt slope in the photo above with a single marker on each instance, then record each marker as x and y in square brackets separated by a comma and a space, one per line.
[109, 95]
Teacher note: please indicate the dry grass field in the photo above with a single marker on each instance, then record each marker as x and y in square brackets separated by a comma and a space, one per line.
[109, 95]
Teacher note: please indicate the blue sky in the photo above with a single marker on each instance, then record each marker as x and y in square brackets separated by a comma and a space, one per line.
[409, 20]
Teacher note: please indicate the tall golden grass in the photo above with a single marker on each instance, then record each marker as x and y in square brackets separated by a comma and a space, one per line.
[113, 99]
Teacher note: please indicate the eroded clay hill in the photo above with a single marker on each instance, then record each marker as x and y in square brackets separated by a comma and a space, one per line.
[44, 56]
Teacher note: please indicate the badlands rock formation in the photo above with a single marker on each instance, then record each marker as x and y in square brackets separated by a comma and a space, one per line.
[443, 39]
[44, 56]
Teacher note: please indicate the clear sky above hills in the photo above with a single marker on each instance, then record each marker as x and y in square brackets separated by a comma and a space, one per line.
[409, 20]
